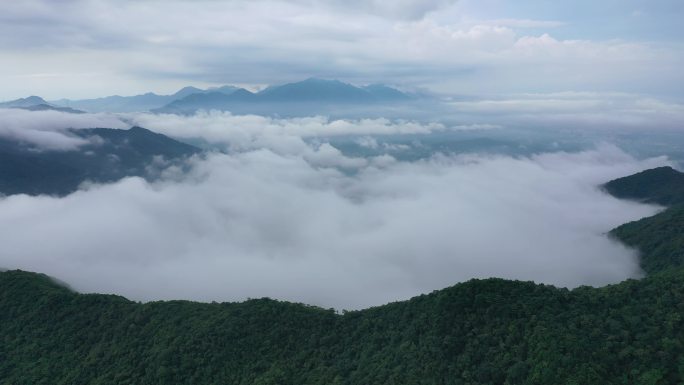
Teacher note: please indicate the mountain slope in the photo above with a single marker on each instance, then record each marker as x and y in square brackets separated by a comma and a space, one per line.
[660, 238]
[662, 185]
[383, 92]
[110, 155]
[479, 332]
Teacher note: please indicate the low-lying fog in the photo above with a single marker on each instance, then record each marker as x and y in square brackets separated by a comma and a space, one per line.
[283, 213]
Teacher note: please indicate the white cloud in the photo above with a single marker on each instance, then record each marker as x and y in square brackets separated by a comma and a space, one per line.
[526, 23]
[402, 9]
[241, 132]
[48, 130]
[367, 142]
[577, 110]
[262, 224]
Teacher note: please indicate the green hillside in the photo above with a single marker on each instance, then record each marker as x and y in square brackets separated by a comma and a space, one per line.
[479, 332]
[662, 185]
[659, 238]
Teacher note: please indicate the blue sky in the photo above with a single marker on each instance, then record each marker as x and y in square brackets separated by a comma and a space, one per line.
[88, 48]
[657, 20]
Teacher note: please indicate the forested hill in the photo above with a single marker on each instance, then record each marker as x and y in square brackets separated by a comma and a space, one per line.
[662, 185]
[490, 331]
[480, 332]
[659, 238]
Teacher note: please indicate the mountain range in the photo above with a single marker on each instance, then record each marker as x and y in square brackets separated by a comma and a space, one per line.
[137, 103]
[36, 103]
[314, 95]
[310, 96]
[490, 331]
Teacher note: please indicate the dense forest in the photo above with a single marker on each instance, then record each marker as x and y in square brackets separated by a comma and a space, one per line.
[662, 185]
[489, 331]
[660, 239]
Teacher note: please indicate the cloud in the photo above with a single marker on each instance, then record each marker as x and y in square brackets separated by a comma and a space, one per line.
[242, 132]
[526, 23]
[577, 110]
[401, 9]
[48, 130]
[292, 226]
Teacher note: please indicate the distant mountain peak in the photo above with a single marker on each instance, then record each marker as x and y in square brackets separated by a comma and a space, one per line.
[242, 91]
[25, 102]
[185, 91]
[223, 89]
[321, 80]
[316, 90]
[379, 86]
[34, 98]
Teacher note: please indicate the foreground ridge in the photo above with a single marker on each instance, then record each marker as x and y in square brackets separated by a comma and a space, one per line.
[481, 332]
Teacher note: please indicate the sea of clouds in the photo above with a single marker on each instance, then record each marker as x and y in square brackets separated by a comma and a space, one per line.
[280, 213]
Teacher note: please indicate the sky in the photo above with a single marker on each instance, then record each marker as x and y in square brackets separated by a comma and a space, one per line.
[91, 48]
